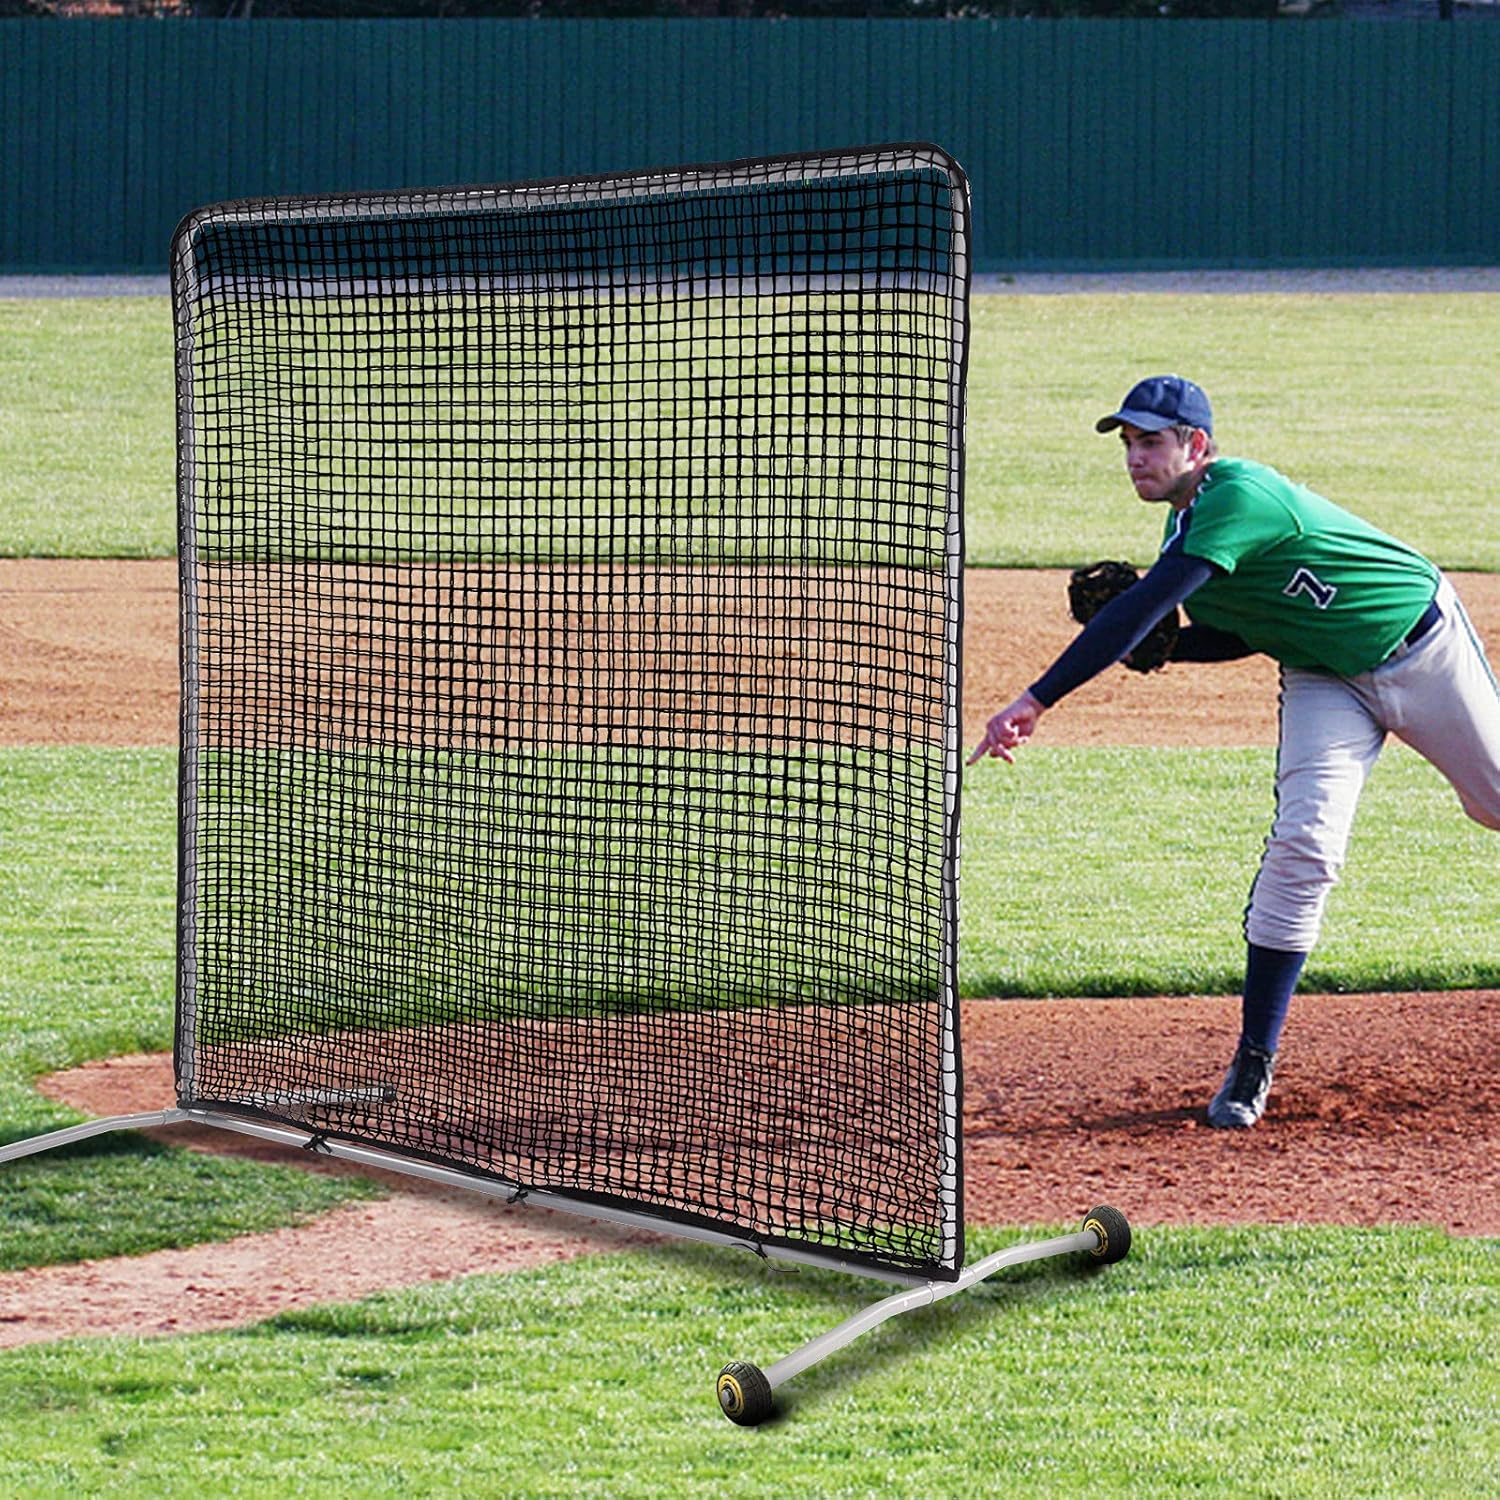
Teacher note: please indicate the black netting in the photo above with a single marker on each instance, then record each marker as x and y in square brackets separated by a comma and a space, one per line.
[571, 595]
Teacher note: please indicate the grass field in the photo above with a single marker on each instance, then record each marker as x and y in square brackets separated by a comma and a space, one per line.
[744, 885]
[1259, 1362]
[1304, 383]
[87, 438]
[1354, 395]
[512, 427]
[1256, 1361]
[1138, 865]
[90, 954]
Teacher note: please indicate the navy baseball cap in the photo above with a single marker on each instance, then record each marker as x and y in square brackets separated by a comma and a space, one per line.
[1161, 401]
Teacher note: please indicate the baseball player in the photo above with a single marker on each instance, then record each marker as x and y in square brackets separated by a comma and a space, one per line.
[1371, 640]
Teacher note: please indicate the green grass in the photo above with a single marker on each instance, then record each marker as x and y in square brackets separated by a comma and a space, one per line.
[87, 445]
[714, 409]
[1125, 872]
[87, 892]
[1301, 381]
[1307, 1362]
[124, 1195]
[87, 875]
[1354, 396]
[1110, 871]
[757, 874]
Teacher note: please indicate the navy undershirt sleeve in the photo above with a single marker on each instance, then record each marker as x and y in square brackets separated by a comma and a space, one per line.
[1122, 624]
[1205, 643]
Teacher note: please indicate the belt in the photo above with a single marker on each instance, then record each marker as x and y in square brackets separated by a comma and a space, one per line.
[1429, 617]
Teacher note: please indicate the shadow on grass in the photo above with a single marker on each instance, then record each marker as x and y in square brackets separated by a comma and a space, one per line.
[914, 1334]
[904, 1337]
[105, 1145]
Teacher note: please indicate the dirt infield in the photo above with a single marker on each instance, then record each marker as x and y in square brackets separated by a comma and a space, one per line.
[1385, 1109]
[88, 655]
[1386, 1113]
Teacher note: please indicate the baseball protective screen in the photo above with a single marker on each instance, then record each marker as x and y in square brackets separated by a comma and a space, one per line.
[570, 614]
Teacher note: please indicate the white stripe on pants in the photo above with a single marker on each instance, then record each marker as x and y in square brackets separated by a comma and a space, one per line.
[1438, 695]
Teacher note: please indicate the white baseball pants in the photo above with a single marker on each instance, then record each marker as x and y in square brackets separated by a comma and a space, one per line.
[1438, 695]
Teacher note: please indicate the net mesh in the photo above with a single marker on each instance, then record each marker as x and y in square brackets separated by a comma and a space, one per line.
[570, 619]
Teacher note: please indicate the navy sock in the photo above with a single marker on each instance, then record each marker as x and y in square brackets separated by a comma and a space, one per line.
[1270, 979]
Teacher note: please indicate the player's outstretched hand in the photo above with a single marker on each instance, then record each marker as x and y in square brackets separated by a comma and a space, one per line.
[1010, 727]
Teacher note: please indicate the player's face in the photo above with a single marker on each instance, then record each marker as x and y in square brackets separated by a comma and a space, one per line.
[1160, 464]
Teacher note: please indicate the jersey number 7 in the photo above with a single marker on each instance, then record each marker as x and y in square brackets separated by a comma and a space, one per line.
[1305, 581]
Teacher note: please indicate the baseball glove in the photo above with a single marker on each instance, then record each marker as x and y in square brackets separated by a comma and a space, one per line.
[1090, 589]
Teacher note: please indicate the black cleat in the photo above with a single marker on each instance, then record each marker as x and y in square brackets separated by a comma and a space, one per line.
[1241, 1099]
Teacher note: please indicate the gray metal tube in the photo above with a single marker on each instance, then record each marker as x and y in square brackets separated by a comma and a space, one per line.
[54, 1139]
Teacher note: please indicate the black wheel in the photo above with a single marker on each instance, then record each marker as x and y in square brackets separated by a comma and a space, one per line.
[744, 1394]
[1113, 1231]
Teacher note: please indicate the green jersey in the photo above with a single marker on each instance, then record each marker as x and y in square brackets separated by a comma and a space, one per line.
[1302, 579]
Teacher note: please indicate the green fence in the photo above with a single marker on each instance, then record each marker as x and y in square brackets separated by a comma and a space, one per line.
[1092, 143]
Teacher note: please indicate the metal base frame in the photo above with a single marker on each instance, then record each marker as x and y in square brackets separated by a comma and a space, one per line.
[744, 1390]
[390, 1161]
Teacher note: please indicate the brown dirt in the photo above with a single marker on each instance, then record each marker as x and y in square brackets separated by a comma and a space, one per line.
[1384, 1112]
[88, 655]
[482, 655]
